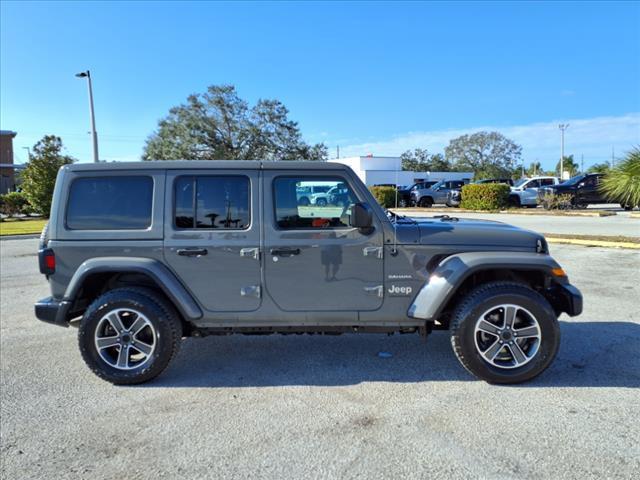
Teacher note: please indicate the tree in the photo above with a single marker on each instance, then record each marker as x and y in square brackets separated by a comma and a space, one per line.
[13, 203]
[569, 165]
[534, 169]
[603, 167]
[487, 154]
[622, 183]
[420, 160]
[39, 176]
[218, 125]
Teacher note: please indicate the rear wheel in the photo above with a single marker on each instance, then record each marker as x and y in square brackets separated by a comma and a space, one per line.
[321, 202]
[129, 336]
[304, 202]
[505, 332]
[425, 202]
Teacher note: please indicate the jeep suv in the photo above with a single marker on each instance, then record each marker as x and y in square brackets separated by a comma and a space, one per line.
[582, 190]
[140, 255]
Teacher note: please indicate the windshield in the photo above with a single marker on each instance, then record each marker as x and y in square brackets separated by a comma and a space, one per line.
[437, 185]
[573, 180]
[521, 182]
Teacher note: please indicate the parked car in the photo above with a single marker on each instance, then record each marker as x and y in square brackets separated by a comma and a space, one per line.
[525, 191]
[454, 197]
[310, 194]
[583, 189]
[437, 193]
[140, 255]
[404, 192]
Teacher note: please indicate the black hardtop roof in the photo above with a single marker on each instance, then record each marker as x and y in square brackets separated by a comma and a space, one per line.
[207, 165]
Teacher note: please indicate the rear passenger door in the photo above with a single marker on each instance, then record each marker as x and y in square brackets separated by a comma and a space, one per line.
[212, 236]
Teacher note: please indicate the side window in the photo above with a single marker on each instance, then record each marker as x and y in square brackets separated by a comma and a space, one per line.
[110, 203]
[533, 184]
[327, 207]
[591, 181]
[212, 202]
[546, 181]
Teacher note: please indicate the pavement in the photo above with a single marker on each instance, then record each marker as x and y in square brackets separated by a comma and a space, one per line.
[325, 407]
[621, 224]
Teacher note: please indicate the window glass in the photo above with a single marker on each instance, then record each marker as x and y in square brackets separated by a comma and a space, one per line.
[312, 202]
[546, 181]
[220, 202]
[110, 203]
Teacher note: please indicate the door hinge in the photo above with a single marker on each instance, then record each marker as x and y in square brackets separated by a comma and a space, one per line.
[251, 291]
[378, 252]
[250, 253]
[377, 291]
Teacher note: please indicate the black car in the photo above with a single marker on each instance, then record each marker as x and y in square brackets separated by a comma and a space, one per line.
[404, 192]
[583, 189]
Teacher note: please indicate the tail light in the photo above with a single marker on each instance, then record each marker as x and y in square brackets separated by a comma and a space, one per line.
[47, 261]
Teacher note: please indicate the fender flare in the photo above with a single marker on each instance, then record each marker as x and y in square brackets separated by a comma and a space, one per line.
[163, 277]
[455, 269]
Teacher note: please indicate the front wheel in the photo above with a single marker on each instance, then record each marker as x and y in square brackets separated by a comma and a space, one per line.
[505, 332]
[129, 335]
[425, 202]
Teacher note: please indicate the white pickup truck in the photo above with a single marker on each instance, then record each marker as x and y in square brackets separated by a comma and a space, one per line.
[525, 192]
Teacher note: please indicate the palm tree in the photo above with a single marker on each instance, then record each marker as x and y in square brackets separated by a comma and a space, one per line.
[622, 183]
[569, 165]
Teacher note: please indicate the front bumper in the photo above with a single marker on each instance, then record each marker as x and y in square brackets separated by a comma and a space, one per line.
[569, 298]
[51, 311]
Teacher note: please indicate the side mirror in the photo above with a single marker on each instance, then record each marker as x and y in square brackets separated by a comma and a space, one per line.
[581, 184]
[361, 216]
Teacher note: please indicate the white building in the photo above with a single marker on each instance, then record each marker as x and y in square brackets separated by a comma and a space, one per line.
[388, 170]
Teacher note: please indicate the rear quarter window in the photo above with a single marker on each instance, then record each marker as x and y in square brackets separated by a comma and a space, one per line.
[110, 203]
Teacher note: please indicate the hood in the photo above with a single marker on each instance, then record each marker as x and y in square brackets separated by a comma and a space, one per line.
[438, 231]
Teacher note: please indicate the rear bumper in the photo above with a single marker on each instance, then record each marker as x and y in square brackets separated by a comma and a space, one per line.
[51, 311]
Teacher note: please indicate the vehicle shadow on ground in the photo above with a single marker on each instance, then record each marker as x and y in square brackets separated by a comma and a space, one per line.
[592, 354]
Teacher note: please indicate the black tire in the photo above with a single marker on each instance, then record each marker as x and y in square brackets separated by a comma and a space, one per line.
[304, 202]
[494, 294]
[321, 202]
[514, 201]
[402, 203]
[160, 313]
[425, 202]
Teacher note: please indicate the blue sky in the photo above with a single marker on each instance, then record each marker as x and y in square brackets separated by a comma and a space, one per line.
[371, 77]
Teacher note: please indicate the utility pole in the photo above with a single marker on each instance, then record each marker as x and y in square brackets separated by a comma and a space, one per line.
[562, 127]
[582, 163]
[94, 134]
[338, 151]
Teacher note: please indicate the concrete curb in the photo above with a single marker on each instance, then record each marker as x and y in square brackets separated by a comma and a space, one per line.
[20, 237]
[593, 243]
[547, 213]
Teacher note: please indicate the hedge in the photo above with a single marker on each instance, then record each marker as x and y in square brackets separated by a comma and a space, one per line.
[386, 196]
[14, 203]
[485, 196]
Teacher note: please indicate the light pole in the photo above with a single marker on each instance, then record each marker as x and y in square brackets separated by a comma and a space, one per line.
[94, 134]
[562, 127]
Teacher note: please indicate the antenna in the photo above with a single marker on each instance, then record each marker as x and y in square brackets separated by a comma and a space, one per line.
[394, 250]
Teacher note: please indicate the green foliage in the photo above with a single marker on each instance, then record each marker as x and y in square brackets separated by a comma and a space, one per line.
[485, 196]
[535, 169]
[622, 183]
[562, 201]
[386, 196]
[420, 160]
[603, 167]
[218, 125]
[39, 177]
[487, 154]
[569, 165]
[14, 203]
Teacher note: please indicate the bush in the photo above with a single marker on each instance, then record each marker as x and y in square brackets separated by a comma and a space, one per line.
[622, 183]
[386, 196]
[562, 201]
[485, 196]
[14, 203]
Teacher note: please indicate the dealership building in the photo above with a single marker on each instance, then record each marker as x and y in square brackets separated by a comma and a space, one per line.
[388, 170]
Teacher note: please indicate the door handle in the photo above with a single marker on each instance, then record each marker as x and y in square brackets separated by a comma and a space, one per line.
[285, 251]
[192, 252]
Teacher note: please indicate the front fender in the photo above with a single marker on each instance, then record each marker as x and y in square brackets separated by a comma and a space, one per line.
[453, 271]
[161, 275]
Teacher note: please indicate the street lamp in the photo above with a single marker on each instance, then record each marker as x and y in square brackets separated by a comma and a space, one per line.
[562, 127]
[94, 134]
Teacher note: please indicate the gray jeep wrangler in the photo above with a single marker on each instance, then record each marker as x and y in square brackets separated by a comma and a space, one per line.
[140, 255]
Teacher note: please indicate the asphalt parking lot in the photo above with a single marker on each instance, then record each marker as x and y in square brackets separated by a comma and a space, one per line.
[319, 407]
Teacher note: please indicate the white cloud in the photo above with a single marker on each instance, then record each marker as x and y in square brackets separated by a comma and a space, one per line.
[592, 137]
